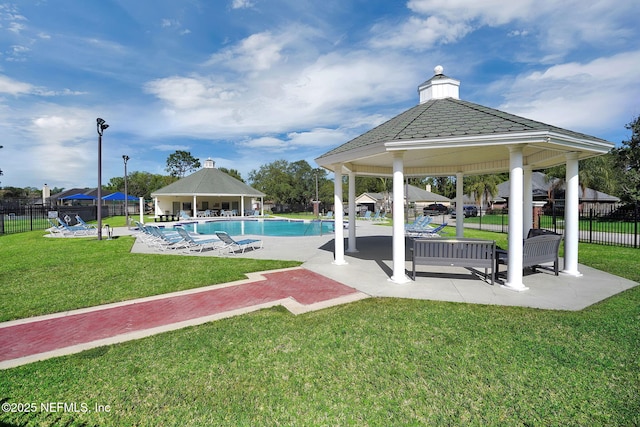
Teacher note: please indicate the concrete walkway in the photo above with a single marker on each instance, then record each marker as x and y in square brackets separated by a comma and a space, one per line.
[319, 284]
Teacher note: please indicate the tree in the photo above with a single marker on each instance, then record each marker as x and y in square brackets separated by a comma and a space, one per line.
[181, 162]
[627, 158]
[232, 172]
[293, 184]
[482, 187]
[140, 184]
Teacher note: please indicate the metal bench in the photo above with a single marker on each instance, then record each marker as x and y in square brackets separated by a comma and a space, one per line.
[454, 252]
[536, 250]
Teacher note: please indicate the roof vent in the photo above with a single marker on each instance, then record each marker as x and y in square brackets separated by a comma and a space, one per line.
[209, 164]
[439, 87]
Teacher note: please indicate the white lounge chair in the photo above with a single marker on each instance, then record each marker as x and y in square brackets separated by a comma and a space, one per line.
[233, 245]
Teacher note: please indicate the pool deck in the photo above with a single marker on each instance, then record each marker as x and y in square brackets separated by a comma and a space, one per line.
[368, 270]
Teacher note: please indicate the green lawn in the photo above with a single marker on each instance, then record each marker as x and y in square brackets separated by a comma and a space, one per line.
[377, 362]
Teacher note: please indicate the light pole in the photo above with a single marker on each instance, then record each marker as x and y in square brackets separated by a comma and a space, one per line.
[126, 195]
[101, 127]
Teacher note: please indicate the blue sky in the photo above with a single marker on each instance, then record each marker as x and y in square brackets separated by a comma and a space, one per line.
[248, 82]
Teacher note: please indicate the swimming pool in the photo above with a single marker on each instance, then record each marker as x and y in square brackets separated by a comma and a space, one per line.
[268, 227]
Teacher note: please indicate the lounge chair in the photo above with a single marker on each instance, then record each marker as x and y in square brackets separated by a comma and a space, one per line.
[166, 239]
[196, 242]
[421, 223]
[329, 215]
[234, 245]
[184, 216]
[77, 230]
[84, 224]
[366, 216]
[55, 230]
[427, 231]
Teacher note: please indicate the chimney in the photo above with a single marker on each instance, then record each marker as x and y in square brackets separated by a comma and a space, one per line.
[439, 87]
[46, 193]
[209, 164]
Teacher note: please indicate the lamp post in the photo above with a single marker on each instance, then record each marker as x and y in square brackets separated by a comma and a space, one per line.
[101, 125]
[126, 195]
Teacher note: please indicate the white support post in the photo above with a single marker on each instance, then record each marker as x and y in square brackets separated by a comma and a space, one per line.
[514, 271]
[352, 213]
[528, 202]
[571, 216]
[459, 204]
[338, 216]
[194, 211]
[141, 210]
[241, 205]
[399, 275]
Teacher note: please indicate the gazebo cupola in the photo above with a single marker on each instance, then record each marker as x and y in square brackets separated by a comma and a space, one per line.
[439, 87]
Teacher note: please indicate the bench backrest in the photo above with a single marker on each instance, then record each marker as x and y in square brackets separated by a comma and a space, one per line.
[439, 251]
[539, 249]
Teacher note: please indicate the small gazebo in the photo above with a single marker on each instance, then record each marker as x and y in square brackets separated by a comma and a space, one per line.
[446, 136]
[208, 189]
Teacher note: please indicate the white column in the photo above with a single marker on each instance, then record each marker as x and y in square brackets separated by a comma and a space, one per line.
[399, 275]
[194, 211]
[459, 204]
[141, 210]
[514, 271]
[571, 216]
[262, 206]
[338, 216]
[528, 202]
[352, 213]
[241, 205]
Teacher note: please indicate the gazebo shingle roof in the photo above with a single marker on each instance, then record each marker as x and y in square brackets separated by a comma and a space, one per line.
[447, 118]
[208, 181]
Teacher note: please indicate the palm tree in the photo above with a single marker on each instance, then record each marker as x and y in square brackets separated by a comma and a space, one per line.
[482, 187]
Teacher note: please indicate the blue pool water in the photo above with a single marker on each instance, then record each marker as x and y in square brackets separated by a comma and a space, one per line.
[263, 227]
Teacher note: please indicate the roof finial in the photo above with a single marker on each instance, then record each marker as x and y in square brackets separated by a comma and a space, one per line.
[438, 70]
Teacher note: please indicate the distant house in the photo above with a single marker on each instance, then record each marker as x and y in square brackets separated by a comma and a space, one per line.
[543, 189]
[207, 190]
[382, 201]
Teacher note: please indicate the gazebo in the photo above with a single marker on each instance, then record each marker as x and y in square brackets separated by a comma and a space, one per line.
[446, 136]
[208, 189]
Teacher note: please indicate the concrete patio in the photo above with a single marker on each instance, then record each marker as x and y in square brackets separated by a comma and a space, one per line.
[369, 269]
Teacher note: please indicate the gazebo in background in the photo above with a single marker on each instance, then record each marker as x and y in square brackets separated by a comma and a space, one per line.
[208, 189]
[446, 136]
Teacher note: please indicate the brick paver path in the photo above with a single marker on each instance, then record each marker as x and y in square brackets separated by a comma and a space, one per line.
[50, 334]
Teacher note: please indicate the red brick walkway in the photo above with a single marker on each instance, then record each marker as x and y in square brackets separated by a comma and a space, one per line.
[46, 335]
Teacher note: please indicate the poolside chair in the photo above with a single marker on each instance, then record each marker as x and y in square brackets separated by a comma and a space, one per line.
[234, 245]
[194, 242]
[366, 216]
[167, 239]
[76, 230]
[420, 224]
[184, 216]
[55, 230]
[329, 215]
[84, 224]
[429, 231]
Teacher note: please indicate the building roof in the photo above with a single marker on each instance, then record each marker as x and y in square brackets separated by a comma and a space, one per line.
[208, 181]
[541, 186]
[413, 194]
[450, 118]
[445, 136]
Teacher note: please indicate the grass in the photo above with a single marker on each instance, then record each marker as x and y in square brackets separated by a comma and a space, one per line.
[381, 361]
[46, 275]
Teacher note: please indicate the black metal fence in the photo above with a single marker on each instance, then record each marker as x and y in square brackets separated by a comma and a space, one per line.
[614, 226]
[18, 218]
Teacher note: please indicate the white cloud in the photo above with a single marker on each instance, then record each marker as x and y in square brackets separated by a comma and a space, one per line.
[242, 4]
[14, 87]
[588, 96]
